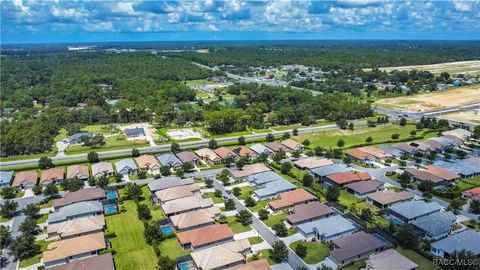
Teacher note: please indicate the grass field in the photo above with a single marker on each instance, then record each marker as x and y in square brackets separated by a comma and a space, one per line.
[466, 67]
[469, 183]
[255, 240]
[199, 82]
[212, 196]
[329, 138]
[171, 248]
[316, 251]
[236, 226]
[245, 192]
[275, 219]
[423, 263]
[99, 129]
[32, 156]
[111, 143]
[260, 204]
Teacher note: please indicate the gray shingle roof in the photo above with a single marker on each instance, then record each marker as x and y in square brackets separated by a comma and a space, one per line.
[461, 167]
[168, 182]
[75, 137]
[414, 209]
[274, 188]
[328, 226]
[76, 209]
[6, 177]
[392, 150]
[331, 169]
[436, 223]
[263, 177]
[125, 163]
[260, 148]
[169, 159]
[467, 240]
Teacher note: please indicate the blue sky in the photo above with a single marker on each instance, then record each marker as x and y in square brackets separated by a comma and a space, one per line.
[51, 21]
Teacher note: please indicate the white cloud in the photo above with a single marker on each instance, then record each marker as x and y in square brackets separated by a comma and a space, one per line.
[463, 6]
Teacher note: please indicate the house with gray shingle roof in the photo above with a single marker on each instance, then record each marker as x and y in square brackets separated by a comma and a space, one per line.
[263, 177]
[168, 182]
[6, 178]
[436, 225]
[327, 229]
[126, 166]
[406, 212]
[260, 148]
[76, 210]
[271, 189]
[322, 172]
[169, 160]
[467, 240]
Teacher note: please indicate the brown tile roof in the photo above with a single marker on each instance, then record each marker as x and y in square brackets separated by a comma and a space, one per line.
[473, 192]
[359, 154]
[365, 186]
[276, 146]
[174, 193]
[421, 175]
[100, 262]
[102, 168]
[207, 153]
[312, 162]
[291, 198]
[224, 152]
[185, 204]
[243, 151]
[442, 173]
[77, 226]
[52, 174]
[74, 170]
[205, 235]
[390, 260]
[434, 144]
[291, 144]
[311, 210]
[84, 194]
[22, 177]
[389, 196]
[147, 162]
[74, 246]
[348, 177]
[187, 156]
[453, 138]
[255, 265]
[405, 147]
[195, 218]
[220, 256]
[376, 152]
[250, 169]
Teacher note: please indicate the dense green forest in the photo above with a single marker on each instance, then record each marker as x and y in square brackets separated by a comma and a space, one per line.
[337, 55]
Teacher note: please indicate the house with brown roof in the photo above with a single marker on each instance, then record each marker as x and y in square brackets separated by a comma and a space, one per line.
[222, 257]
[422, 176]
[195, 219]
[76, 227]
[207, 236]
[379, 154]
[248, 170]
[308, 212]
[312, 163]
[186, 204]
[446, 175]
[244, 151]
[405, 147]
[389, 259]
[102, 169]
[292, 145]
[291, 198]
[276, 146]
[187, 156]
[344, 178]
[100, 262]
[386, 198]
[363, 188]
[354, 247]
[360, 155]
[473, 194]
[208, 156]
[25, 180]
[224, 152]
[147, 163]
[177, 192]
[72, 249]
[81, 195]
[51, 176]
[78, 172]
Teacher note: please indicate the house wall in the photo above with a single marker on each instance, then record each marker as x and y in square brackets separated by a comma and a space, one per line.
[333, 236]
[437, 252]
[70, 259]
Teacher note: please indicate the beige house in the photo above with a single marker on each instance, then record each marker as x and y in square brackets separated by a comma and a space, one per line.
[179, 192]
[195, 219]
[78, 172]
[76, 227]
[222, 257]
[102, 169]
[186, 204]
[147, 163]
[208, 156]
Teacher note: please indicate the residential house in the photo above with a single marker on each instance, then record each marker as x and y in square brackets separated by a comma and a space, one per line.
[292, 145]
[354, 247]
[244, 151]
[222, 257]
[422, 147]
[177, 192]
[76, 227]
[103, 262]
[224, 152]
[395, 152]
[290, 199]
[25, 180]
[472, 194]
[80, 172]
[207, 236]
[259, 179]
[134, 132]
[248, 170]
[422, 176]
[460, 133]
[186, 204]
[187, 156]
[446, 175]
[389, 259]
[312, 163]
[75, 138]
[195, 219]
[76, 210]
[466, 240]
[148, 163]
[308, 212]
[208, 155]
[343, 178]
[379, 154]
[276, 146]
[435, 226]
[272, 189]
[52, 175]
[465, 168]
[260, 149]
[81, 195]
[360, 155]
[168, 182]
[363, 188]
[322, 172]
[261, 264]
[327, 229]
[126, 166]
[72, 249]
[5, 178]
[386, 198]
[435, 145]
[405, 148]
[102, 169]
[406, 212]
[170, 160]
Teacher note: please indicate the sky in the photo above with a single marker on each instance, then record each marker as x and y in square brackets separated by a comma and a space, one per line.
[74, 21]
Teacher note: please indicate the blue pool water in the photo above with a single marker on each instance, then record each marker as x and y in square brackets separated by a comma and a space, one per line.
[112, 195]
[167, 230]
[110, 209]
[185, 266]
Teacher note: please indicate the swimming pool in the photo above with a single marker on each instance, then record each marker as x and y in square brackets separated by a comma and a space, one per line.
[110, 208]
[167, 230]
[186, 266]
[112, 195]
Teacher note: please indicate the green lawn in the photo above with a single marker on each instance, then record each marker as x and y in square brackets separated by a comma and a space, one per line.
[260, 204]
[155, 210]
[236, 226]
[469, 183]
[262, 254]
[42, 218]
[198, 82]
[111, 143]
[316, 251]
[379, 134]
[360, 264]
[240, 133]
[32, 156]
[212, 196]
[255, 240]
[423, 263]
[245, 192]
[99, 129]
[171, 248]
[347, 199]
[2, 219]
[35, 259]
[132, 250]
[274, 219]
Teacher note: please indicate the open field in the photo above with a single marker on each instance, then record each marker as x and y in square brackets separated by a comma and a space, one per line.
[435, 100]
[465, 67]
[111, 143]
[472, 116]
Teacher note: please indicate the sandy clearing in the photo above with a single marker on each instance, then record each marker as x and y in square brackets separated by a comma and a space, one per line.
[466, 67]
[472, 116]
[435, 100]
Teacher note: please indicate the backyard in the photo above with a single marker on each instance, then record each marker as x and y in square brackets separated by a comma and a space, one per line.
[316, 251]
[236, 226]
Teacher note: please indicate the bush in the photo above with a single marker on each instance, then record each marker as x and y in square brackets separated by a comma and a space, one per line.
[110, 234]
[110, 250]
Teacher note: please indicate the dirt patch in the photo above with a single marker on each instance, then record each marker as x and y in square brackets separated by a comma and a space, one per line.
[472, 116]
[435, 100]
[465, 67]
[150, 132]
